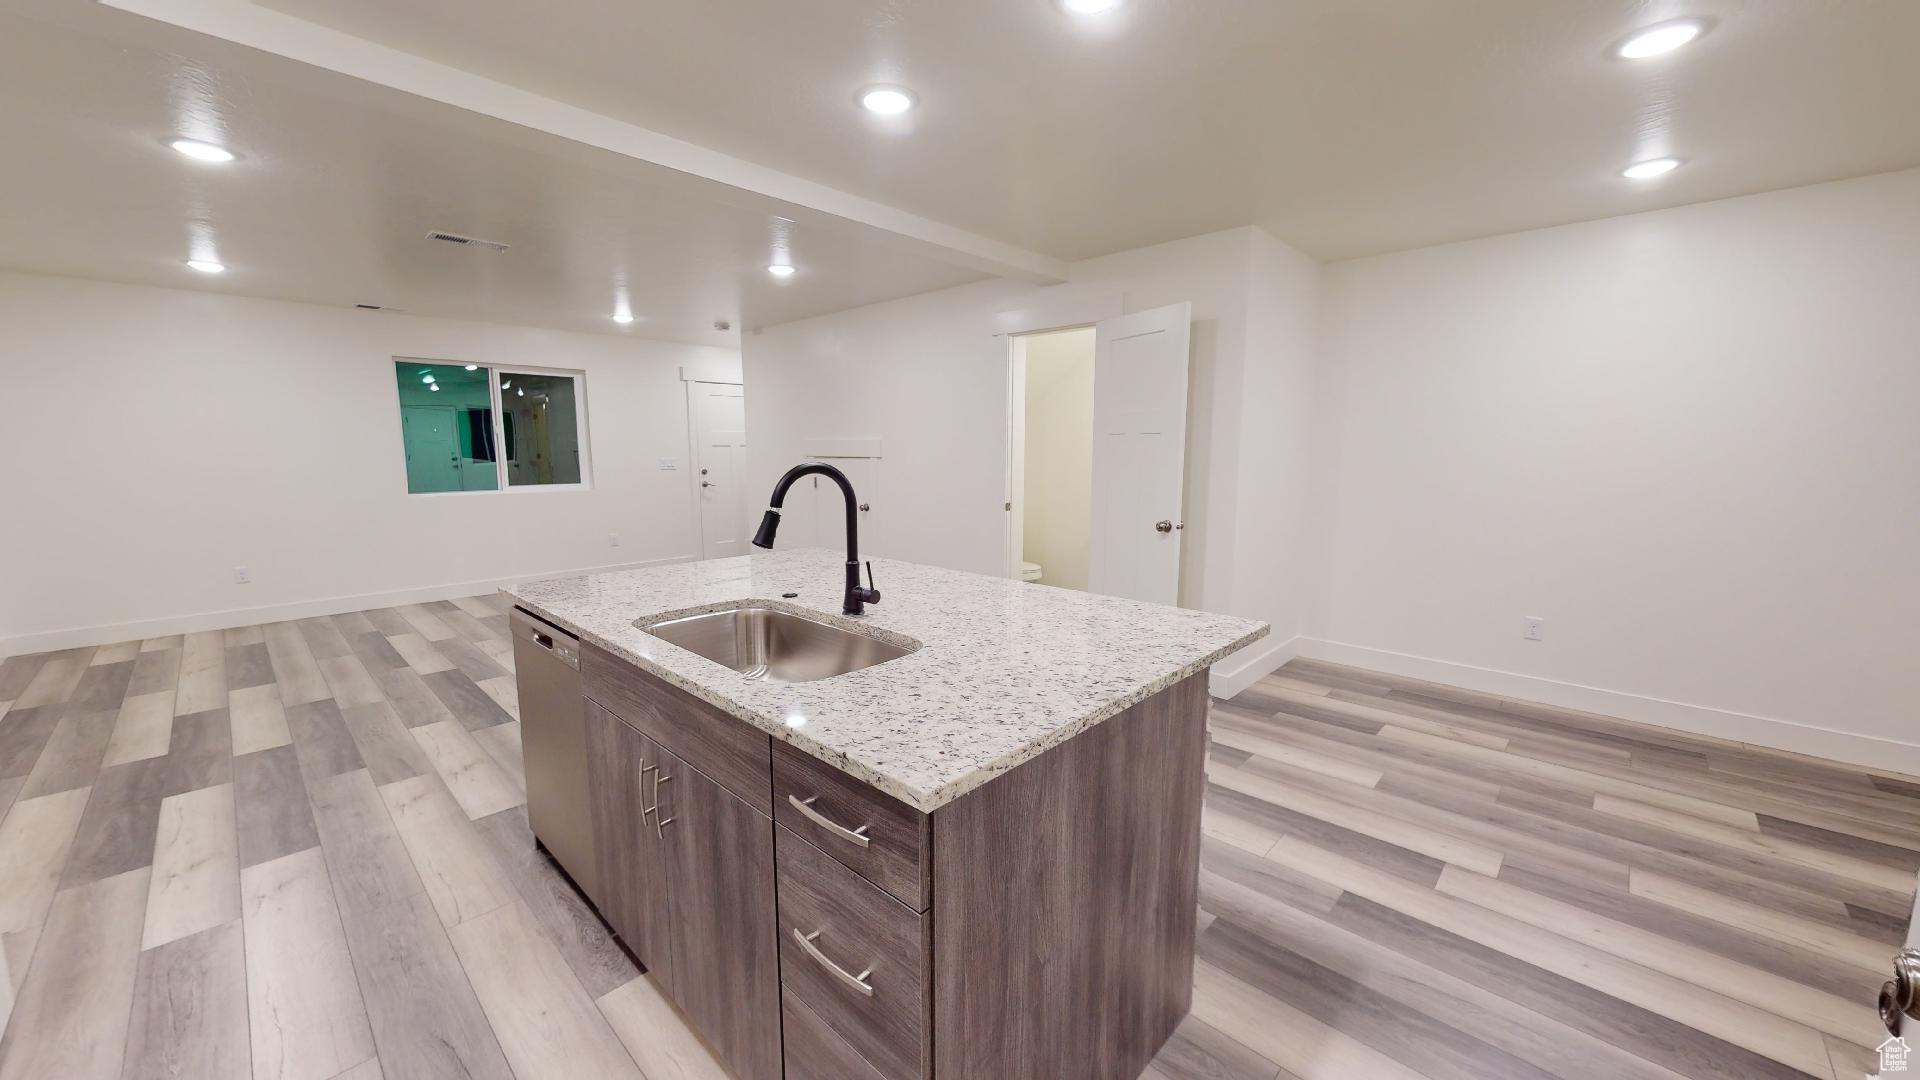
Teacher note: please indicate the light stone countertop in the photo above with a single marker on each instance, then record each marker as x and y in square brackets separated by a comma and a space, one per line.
[1005, 669]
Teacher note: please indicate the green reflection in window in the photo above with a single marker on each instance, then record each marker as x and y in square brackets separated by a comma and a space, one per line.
[447, 414]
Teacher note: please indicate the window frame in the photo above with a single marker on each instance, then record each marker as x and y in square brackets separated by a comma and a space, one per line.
[498, 426]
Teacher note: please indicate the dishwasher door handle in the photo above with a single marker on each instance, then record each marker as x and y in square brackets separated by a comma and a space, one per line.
[561, 645]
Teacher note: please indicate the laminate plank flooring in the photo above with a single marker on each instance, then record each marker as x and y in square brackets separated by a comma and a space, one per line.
[300, 850]
[190, 1010]
[304, 1010]
[70, 1019]
[196, 866]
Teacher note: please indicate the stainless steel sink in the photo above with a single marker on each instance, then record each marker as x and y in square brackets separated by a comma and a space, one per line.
[777, 646]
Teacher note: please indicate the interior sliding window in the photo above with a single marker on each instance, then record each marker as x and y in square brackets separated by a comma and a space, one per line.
[540, 428]
[446, 412]
[470, 428]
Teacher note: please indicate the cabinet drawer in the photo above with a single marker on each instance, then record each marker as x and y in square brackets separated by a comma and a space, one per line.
[883, 839]
[730, 750]
[814, 1051]
[856, 957]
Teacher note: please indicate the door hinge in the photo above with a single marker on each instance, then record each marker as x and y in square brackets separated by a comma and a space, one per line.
[1009, 506]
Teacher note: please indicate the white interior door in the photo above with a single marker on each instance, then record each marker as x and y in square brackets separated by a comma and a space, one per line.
[1139, 454]
[720, 466]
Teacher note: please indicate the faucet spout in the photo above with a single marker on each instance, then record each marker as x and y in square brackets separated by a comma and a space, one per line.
[857, 596]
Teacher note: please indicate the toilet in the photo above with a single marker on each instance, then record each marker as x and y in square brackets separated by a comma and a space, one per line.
[1029, 571]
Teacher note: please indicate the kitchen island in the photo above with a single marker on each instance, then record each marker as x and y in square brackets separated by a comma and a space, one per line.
[977, 857]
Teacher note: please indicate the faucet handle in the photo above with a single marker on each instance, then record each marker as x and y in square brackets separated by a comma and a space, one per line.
[870, 594]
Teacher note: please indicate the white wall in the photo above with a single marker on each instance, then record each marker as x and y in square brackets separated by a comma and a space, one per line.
[919, 374]
[1689, 439]
[927, 376]
[155, 439]
[1274, 536]
[1057, 498]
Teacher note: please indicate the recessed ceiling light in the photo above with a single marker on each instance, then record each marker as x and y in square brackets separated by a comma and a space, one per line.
[1647, 170]
[473, 367]
[206, 266]
[780, 270]
[202, 151]
[435, 387]
[887, 100]
[1663, 38]
[1088, 7]
[623, 318]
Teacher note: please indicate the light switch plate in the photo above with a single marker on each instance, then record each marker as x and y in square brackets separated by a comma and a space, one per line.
[669, 464]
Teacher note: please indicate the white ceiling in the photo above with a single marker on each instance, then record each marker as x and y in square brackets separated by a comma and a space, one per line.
[1347, 127]
[673, 145]
[340, 181]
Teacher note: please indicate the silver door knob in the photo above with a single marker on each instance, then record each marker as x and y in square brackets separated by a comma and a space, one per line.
[1163, 526]
[1898, 997]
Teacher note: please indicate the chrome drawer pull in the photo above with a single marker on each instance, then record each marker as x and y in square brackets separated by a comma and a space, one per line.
[805, 806]
[857, 982]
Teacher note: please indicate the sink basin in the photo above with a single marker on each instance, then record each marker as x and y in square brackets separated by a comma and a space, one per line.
[777, 646]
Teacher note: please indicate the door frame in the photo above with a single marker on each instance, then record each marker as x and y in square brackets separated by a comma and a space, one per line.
[1062, 307]
[691, 376]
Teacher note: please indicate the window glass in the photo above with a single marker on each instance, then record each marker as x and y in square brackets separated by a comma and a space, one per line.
[446, 412]
[541, 428]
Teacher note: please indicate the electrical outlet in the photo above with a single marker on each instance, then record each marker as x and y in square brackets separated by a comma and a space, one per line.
[613, 539]
[1534, 628]
[668, 464]
[242, 575]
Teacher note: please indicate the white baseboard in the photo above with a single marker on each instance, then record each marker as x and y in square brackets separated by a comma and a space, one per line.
[110, 633]
[1244, 668]
[1867, 751]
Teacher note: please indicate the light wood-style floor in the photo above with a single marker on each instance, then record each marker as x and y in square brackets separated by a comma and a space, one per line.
[1409, 880]
[300, 851]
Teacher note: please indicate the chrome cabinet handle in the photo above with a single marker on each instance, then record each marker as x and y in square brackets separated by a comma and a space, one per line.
[856, 983]
[805, 806]
[660, 822]
[644, 770]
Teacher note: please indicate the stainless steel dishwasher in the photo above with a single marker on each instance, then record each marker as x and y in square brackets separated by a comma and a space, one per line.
[553, 741]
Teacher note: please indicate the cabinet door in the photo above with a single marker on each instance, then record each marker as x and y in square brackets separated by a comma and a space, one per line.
[621, 768]
[726, 963]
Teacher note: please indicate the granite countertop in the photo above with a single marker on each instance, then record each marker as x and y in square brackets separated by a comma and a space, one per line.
[1005, 669]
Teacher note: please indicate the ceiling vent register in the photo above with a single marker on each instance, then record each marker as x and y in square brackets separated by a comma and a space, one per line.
[467, 241]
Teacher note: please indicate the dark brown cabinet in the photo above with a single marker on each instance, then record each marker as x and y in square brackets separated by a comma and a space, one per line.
[719, 854]
[1037, 926]
[687, 875]
[622, 766]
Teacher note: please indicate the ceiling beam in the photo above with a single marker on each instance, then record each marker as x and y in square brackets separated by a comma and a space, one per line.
[246, 23]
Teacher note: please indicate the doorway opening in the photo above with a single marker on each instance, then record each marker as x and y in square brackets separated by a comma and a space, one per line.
[1050, 459]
